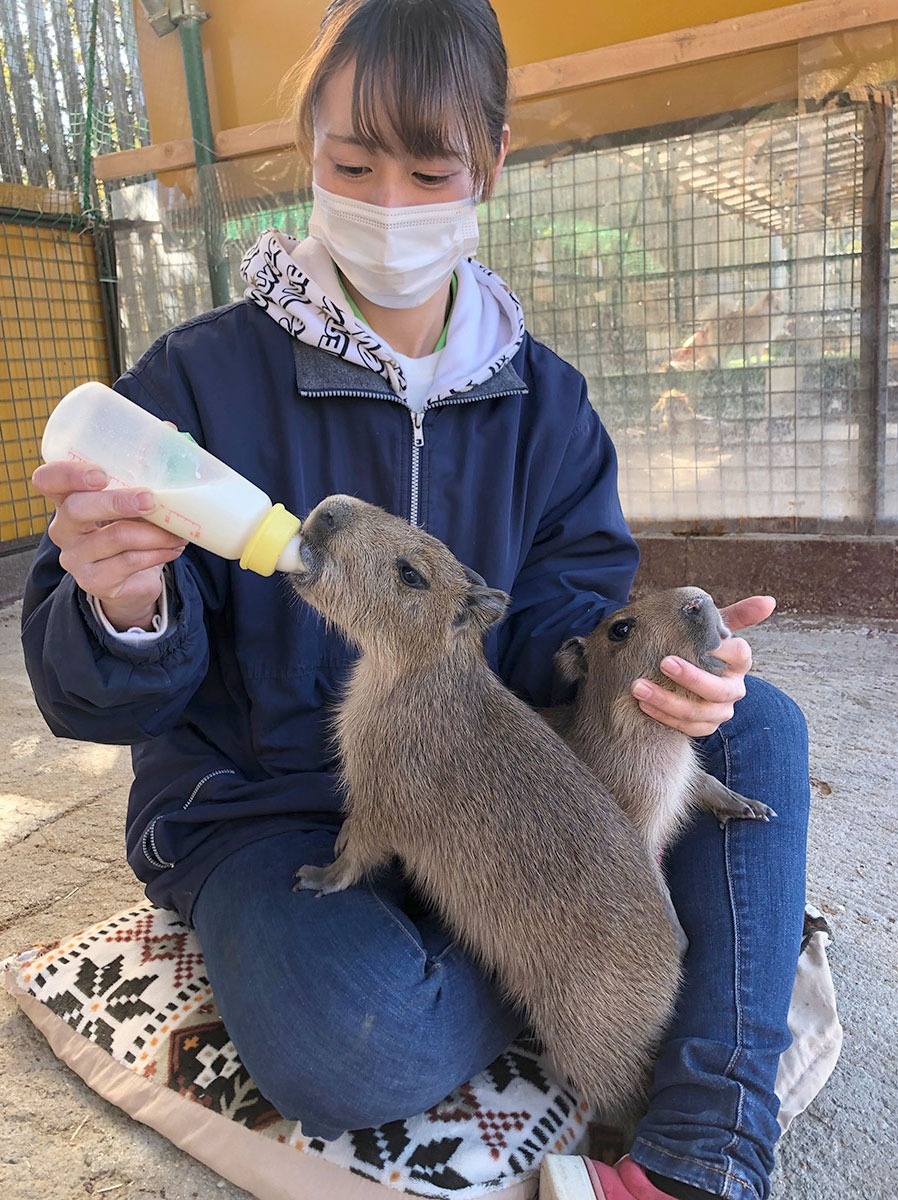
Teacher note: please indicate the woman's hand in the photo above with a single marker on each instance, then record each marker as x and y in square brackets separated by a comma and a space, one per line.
[710, 698]
[104, 545]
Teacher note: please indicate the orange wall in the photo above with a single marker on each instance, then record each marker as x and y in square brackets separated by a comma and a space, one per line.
[249, 47]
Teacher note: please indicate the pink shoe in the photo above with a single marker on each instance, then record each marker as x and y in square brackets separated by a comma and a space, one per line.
[572, 1177]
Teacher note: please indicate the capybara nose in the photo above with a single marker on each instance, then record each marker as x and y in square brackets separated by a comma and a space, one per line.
[334, 513]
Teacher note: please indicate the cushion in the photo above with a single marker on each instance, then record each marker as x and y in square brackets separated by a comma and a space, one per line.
[126, 1005]
[813, 1022]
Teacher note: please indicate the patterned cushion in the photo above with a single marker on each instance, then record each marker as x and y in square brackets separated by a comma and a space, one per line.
[126, 1005]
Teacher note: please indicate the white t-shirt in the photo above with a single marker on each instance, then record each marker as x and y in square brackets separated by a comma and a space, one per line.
[419, 376]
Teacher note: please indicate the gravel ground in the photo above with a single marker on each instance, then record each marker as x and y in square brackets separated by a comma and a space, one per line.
[62, 868]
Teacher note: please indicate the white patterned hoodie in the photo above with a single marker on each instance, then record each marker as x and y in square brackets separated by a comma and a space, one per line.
[297, 284]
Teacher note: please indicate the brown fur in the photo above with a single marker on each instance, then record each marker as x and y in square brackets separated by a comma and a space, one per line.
[651, 770]
[720, 336]
[673, 408]
[523, 852]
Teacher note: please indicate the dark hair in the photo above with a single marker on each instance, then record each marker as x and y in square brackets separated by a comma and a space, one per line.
[432, 74]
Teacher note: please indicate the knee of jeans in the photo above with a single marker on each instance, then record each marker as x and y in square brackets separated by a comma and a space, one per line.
[772, 708]
[362, 1083]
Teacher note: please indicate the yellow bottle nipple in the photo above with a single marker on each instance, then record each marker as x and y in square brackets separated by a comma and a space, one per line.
[268, 540]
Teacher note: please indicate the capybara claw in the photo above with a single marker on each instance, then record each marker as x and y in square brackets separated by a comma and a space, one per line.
[315, 879]
[754, 810]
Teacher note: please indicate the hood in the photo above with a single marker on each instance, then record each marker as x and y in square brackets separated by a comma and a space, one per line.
[296, 283]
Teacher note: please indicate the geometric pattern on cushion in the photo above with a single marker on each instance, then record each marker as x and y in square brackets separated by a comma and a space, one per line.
[127, 1005]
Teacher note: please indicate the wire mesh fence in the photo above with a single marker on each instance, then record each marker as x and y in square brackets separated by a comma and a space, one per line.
[55, 335]
[69, 89]
[161, 231]
[708, 280]
[709, 285]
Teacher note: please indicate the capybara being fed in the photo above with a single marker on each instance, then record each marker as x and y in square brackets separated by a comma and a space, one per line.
[526, 856]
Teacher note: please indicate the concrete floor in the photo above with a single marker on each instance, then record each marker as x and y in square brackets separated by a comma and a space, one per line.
[62, 867]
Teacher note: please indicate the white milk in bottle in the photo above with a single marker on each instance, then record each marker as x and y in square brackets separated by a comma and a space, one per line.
[198, 497]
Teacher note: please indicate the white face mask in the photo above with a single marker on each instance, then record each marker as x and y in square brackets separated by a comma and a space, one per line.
[396, 257]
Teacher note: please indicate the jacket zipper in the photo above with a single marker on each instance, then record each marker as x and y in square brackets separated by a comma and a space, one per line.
[148, 841]
[193, 795]
[353, 395]
[417, 431]
[417, 446]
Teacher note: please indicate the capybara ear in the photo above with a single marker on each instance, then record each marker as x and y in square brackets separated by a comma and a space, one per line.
[570, 660]
[482, 605]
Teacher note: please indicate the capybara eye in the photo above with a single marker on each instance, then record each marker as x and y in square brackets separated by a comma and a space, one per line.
[621, 630]
[409, 576]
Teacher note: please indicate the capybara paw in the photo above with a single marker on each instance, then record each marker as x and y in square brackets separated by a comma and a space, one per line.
[322, 880]
[754, 810]
[727, 805]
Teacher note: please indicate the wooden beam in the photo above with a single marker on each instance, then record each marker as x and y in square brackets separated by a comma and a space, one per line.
[145, 160]
[699, 43]
[254, 139]
[175, 155]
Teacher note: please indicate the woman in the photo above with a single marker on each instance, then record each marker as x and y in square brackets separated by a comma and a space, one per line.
[375, 358]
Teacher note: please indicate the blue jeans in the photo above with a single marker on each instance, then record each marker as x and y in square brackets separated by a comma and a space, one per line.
[739, 893]
[357, 1009]
[347, 1012]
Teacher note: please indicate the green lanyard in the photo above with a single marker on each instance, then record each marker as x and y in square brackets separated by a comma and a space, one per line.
[441, 340]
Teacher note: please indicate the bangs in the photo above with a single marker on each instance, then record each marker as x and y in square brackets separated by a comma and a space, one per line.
[430, 77]
[405, 96]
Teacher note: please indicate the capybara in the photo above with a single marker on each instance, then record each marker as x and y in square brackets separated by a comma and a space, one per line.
[652, 771]
[527, 857]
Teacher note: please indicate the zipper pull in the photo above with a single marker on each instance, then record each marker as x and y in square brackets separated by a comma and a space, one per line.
[418, 426]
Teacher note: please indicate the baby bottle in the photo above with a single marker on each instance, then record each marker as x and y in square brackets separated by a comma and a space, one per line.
[198, 497]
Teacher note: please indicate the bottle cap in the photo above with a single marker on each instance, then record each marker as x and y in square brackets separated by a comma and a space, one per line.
[269, 538]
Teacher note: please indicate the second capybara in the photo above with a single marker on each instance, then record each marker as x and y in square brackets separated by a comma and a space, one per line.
[526, 856]
[652, 771]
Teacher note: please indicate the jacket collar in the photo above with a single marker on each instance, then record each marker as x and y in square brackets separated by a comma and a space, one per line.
[321, 374]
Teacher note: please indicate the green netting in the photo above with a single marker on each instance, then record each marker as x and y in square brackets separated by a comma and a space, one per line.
[71, 89]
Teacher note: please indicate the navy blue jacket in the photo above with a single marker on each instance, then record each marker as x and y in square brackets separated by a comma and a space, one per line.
[227, 713]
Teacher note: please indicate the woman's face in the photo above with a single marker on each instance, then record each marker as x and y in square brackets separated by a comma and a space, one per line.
[391, 179]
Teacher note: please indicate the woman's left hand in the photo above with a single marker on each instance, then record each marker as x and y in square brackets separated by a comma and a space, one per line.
[711, 698]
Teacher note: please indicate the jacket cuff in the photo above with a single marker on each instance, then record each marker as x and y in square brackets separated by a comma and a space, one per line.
[140, 645]
[135, 636]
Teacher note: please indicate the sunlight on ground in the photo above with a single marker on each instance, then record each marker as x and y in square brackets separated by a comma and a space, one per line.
[99, 760]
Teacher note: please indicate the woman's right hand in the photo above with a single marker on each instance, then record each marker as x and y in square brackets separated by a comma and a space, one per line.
[105, 546]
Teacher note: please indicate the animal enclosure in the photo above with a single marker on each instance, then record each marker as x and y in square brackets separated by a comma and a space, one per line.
[68, 91]
[725, 283]
[713, 282]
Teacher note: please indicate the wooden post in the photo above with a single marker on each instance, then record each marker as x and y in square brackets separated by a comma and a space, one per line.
[872, 399]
